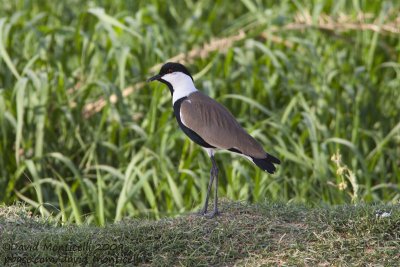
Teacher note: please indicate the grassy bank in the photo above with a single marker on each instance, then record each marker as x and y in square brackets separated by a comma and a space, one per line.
[81, 135]
[267, 233]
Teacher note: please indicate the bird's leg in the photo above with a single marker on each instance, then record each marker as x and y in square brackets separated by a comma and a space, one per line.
[214, 169]
[204, 210]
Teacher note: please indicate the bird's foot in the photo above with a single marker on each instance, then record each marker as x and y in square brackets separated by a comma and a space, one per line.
[202, 212]
[213, 214]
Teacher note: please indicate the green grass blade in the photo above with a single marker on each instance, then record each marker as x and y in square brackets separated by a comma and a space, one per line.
[20, 88]
[101, 15]
[3, 52]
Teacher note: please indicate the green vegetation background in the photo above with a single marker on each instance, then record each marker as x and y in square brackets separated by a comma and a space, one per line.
[316, 82]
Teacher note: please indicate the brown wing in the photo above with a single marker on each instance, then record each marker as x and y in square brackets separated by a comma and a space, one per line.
[216, 125]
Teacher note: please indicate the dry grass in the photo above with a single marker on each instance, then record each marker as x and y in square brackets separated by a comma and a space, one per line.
[344, 22]
[265, 234]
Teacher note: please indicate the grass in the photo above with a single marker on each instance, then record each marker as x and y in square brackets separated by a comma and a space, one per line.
[253, 235]
[305, 89]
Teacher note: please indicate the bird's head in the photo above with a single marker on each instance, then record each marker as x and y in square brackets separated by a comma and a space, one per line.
[175, 76]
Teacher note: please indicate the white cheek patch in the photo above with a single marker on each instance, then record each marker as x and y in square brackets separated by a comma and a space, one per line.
[181, 83]
[168, 77]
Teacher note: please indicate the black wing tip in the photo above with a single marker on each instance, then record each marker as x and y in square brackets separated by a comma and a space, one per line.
[267, 164]
[273, 159]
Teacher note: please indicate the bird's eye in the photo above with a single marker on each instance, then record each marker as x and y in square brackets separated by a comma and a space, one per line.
[170, 71]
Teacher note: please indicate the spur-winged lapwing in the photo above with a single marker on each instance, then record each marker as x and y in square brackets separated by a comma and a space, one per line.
[209, 124]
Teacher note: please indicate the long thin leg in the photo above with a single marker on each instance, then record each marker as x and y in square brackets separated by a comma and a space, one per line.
[204, 210]
[215, 171]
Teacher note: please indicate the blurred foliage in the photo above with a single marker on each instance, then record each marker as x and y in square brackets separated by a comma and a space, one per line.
[306, 94]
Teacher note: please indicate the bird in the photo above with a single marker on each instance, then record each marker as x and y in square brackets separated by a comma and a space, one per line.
[210, 125]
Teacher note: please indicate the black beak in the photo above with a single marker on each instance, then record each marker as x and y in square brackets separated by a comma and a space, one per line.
[154, 78]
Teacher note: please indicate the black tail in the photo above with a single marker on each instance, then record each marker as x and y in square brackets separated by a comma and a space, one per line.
[267, 164]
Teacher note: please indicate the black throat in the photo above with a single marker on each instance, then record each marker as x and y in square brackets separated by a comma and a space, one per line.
[171, 89]
[192, 135]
